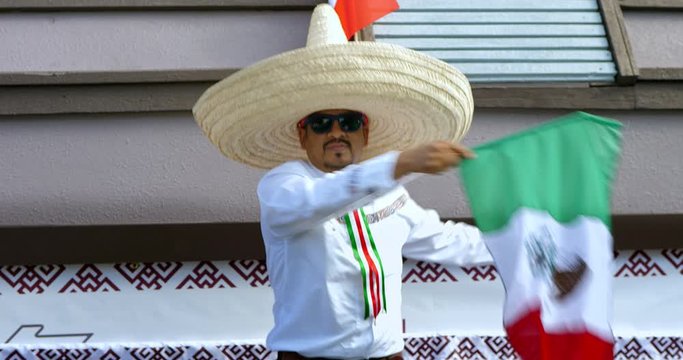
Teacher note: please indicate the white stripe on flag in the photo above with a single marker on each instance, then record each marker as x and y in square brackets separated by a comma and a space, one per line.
[530, 246]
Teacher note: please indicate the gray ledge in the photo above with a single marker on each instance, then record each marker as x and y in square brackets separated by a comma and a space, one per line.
[232, 241]
[180, 96]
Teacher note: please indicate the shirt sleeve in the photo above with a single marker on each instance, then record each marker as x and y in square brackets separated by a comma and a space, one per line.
[448, 243]
[292, 201]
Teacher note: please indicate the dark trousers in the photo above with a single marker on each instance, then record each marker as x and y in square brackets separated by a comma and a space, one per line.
[289, 355]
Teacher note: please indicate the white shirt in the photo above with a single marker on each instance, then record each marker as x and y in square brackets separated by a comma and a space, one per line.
[319, 309]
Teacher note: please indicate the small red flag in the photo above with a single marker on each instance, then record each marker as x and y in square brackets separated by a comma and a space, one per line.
[357, 14]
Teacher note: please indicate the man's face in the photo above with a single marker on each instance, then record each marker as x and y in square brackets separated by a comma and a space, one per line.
[335, 149]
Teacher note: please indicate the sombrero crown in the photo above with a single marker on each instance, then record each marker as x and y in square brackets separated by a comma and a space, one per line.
[409, 97]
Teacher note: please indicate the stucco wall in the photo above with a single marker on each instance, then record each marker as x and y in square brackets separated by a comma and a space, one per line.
[656, 37]
[158, 167]
[90, 41]
[111, 41]
[151, 168]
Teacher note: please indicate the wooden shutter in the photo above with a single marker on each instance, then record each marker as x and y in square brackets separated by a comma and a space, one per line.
[506, 40]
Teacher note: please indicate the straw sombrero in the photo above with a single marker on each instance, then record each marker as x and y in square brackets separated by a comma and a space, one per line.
[409, 97]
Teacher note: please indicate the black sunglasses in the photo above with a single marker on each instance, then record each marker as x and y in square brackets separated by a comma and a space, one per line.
[321, 123]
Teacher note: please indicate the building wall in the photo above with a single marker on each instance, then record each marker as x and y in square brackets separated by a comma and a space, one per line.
[120, 41]
[159, 167]
[133, 168]
[143, 162]
[656, 37]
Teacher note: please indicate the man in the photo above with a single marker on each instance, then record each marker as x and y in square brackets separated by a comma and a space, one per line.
[339, 123]
[319, 289]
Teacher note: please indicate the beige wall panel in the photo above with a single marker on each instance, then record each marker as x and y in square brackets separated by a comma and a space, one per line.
[85, 41]
[159, 168]
[656, 38]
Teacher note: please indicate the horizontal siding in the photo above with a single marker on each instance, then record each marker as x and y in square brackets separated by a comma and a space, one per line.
[506, 40]
[512, 56]
[494, 5]
[488, 30]
[453, 43]
[488, 17]
[540, 78]
[535, 71]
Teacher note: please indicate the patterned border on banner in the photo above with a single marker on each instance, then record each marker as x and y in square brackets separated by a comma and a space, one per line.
[425, 348]
[123, 277]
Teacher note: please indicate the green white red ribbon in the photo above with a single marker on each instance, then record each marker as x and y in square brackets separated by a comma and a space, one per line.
[372, 271]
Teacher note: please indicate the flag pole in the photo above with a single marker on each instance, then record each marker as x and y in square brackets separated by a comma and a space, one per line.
[365, 34]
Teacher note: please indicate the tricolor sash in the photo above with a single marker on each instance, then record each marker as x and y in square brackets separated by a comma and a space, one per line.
[365, 252]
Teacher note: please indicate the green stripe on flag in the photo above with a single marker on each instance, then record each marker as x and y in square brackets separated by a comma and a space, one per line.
[349, 227]
[374, 249]
[564, 167]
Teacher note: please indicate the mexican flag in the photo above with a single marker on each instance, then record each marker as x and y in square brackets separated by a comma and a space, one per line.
[541, 199]
[357, 14]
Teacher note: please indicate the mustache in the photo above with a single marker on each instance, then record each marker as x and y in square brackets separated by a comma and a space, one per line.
[337, 141]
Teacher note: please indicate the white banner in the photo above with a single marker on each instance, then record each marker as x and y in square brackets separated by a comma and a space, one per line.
[227, 304]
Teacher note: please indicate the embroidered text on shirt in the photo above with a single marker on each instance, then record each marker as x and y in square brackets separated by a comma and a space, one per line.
[383, 213]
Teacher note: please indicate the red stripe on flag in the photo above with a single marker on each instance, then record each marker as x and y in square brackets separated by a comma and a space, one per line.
[528, 337]
[374, 279]
[357, 14]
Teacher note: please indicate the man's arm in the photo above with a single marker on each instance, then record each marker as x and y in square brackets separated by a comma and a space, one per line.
[291, 201]
[447, 243]
[431, 158]
[430, 239]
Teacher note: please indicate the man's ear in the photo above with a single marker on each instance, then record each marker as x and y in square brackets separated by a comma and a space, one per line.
[302, 137]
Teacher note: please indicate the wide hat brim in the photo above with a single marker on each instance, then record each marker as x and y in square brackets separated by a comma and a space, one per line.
[409, 97]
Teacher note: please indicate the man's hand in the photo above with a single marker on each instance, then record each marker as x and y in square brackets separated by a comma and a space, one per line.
[431, 158]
